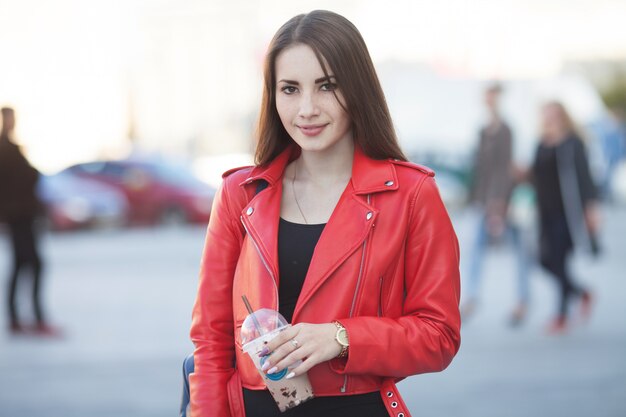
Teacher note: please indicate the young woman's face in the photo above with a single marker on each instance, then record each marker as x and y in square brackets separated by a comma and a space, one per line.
[552, 124]
[306, 102]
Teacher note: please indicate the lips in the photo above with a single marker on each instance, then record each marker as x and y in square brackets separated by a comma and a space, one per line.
[311, 130]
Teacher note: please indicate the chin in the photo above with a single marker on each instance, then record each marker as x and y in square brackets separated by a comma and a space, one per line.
[312, 144]
[317, 143]
[314, 147]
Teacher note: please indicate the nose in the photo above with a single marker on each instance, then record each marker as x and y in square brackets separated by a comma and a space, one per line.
[308, 106]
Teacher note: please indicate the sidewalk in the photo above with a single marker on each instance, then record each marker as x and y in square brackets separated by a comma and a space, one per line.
[124, 299]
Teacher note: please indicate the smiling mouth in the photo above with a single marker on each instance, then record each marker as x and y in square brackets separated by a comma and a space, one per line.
[311, 130]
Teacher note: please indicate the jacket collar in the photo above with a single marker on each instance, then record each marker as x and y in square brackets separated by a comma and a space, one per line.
[368, 175]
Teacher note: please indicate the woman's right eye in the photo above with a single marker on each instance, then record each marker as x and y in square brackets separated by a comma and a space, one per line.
[288, 89]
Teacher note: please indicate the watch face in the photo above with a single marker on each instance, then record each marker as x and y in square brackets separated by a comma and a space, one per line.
[342, 336]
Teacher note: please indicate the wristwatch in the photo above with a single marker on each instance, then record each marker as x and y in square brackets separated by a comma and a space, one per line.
[342, 338]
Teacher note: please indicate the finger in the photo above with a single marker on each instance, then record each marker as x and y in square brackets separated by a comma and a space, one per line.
[304, 367]
[280, 353]
[282, 337]
[289, 360]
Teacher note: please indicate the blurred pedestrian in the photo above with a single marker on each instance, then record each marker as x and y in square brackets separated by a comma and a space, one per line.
[19, 209]
[493, 183]
[611, 134]
[567, 204]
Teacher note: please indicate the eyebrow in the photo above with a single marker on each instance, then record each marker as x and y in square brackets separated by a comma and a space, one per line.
[317, 81]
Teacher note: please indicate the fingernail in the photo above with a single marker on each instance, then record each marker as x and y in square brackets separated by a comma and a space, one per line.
[290, 375]
[273, 370]
[266, 365]
[264, 351]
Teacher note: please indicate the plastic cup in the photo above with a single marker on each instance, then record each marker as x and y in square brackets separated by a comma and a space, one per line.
[264, 326]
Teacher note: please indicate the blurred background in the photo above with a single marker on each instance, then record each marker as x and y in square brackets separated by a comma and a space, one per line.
[132, 110]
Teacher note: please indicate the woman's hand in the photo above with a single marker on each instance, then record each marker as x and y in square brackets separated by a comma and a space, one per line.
[592, 218]
[520, 174]
[310, 343]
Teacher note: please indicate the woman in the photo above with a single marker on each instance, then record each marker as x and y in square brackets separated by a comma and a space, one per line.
[566, 198]
[334, 229]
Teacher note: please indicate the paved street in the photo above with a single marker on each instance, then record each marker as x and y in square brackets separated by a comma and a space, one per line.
[124, 300]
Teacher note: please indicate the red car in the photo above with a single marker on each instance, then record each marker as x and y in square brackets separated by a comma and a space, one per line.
[72, 202]
[157, 192]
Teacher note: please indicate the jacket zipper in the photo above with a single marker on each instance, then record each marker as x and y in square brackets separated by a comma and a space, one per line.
[380, 298]
[269, 271]
[356, 292]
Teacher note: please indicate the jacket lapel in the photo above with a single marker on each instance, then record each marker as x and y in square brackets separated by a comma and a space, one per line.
[350, 223]
[261, 217]
[345, 232]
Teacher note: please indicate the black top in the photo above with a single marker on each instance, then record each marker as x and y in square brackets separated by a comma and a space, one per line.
[261, 404]
[546, 174]
[570, 157]
[18, 181]
[296, 243]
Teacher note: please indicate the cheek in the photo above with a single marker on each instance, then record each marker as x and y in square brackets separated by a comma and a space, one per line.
[284, 110]
[342, 117]
[333, 107]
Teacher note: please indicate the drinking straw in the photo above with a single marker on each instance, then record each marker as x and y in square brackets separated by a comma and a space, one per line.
[257, 325]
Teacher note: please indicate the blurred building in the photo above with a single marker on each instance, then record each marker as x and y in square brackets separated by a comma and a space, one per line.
[99, 78]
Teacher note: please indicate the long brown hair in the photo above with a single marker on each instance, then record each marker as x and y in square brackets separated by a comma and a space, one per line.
[335, 39]
[569, 126]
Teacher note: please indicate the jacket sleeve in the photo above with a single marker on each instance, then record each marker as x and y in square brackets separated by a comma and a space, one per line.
[212, 317]
[427, 336]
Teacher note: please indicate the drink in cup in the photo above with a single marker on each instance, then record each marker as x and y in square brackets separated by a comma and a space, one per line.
[260, 327]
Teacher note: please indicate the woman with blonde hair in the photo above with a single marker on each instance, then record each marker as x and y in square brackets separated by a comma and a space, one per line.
[566, 198]
[334, 229]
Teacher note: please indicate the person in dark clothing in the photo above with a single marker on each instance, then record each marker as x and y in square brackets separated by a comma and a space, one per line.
[19, 208]
[566, 200]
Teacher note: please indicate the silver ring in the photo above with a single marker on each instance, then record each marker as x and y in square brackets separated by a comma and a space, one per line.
[295, 343]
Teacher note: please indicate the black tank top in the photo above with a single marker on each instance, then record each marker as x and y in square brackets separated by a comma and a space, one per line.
[296, 243]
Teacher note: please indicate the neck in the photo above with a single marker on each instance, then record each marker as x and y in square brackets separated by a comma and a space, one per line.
[328, 166]
[560, 136]
[494, 118]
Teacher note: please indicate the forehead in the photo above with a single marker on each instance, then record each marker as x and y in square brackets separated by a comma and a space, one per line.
[551, 110]
[492, 92]
[299, 62]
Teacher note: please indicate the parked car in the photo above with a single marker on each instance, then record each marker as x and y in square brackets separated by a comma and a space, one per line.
[72, 202]
[157, 191]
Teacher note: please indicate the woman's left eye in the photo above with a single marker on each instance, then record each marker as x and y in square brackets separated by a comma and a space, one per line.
[328, 87]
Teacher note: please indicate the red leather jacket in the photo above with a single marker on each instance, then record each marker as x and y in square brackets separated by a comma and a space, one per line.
[386, 266]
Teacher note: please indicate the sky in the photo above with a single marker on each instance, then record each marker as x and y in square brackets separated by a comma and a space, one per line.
[184, 76]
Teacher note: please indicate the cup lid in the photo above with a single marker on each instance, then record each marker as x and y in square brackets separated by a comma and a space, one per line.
[259, 323]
